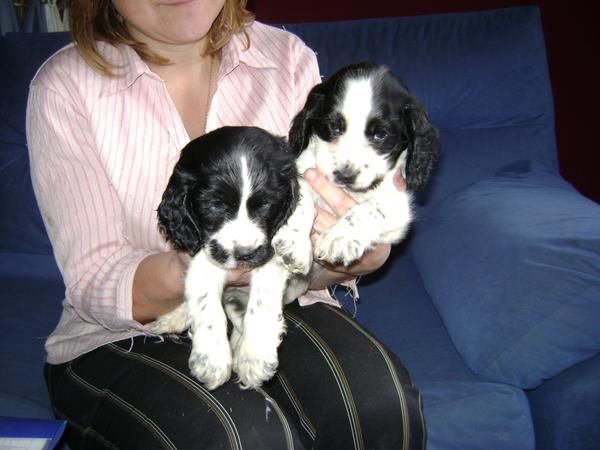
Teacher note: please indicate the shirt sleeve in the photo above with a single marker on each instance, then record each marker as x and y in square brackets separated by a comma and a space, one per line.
[80, 209]
[306, 75]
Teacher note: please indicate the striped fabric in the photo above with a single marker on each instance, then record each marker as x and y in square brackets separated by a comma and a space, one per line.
[337, 387]
[101, 152]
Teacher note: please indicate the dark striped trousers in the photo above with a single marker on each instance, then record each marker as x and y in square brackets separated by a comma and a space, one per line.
[337, 388]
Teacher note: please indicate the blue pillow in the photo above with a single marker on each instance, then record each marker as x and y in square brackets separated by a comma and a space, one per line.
[512, 263]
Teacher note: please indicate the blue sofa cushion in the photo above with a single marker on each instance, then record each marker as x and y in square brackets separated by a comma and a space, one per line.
[565, 408]
[21, 228]
[512, 264]
[32, 290]
[490, 416]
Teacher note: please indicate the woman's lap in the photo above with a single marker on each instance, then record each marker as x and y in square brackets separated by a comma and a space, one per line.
[336, 387]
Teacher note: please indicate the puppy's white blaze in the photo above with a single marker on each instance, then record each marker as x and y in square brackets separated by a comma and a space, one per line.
[356, 107]
[241, 231]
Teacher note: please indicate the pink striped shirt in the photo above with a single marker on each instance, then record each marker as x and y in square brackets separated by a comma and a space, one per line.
[102, 150]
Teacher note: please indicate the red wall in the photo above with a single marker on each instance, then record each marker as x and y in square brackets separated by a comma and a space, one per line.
[572, 31]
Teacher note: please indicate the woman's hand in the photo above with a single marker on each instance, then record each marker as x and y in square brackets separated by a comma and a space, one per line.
[235, 277]
[238, 277]
[340, 202]
[158, 285]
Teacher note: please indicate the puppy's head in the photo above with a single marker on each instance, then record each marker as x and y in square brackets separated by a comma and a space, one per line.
[361, 123]
[230, 192]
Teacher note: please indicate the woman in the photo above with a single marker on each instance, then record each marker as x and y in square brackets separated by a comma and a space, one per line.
[106, 120]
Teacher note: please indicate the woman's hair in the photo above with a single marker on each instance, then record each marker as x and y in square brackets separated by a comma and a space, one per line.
[98, 20]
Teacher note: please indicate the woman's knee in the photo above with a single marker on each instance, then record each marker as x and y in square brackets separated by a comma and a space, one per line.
[394, 419]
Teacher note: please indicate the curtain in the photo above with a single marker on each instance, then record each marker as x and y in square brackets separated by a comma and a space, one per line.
[8, 17]
[54, 20]
[35, 17]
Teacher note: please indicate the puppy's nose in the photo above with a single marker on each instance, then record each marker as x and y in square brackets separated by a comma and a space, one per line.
[345, 176]
[244, 253]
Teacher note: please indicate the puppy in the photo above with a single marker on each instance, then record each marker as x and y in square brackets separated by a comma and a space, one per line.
[229, 195]
[358, 127]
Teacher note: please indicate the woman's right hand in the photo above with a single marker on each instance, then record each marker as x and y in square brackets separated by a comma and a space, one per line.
[238, 277]
[235, 277]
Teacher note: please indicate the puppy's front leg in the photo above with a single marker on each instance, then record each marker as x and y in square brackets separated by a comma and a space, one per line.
[255, 357]
[383, 219]
[292, 243]
[174, 322]
[210, 359]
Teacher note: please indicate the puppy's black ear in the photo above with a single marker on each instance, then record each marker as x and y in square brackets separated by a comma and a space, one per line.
[289, 175]
[176, 218]
[301, 129]
[423, 147]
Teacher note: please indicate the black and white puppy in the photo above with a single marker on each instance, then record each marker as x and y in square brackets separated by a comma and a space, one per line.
[229, 195]
[358, 127]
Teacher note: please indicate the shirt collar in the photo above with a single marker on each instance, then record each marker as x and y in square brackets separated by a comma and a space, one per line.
[235, 52]
[129, 66]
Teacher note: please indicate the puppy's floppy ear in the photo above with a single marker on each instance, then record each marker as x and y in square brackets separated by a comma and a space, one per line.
[423, 146]
[289, 173]
[176, 218]
[301, 129]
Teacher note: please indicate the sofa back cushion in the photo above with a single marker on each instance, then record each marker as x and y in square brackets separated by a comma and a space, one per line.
[21, 228]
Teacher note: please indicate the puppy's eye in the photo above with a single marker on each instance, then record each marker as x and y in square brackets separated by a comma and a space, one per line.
[377, 130]
[336, 125]
[335, 129]
[214, 207]
[330, 128]
[257, 204]
[379, 135]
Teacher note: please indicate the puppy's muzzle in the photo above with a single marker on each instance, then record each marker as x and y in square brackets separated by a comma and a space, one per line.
[348, 178]
[245, 253]
[240, 256]
[252, 256]
[345, 176]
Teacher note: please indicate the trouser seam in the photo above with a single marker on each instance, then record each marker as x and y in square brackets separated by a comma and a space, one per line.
[147, 423]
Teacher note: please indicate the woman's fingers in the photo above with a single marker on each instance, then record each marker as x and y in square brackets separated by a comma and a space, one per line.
[335, 197]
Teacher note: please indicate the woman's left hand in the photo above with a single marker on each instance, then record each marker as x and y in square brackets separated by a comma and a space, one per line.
[339, 202]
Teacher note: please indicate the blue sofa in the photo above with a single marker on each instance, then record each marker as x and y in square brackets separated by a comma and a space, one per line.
[493, 301]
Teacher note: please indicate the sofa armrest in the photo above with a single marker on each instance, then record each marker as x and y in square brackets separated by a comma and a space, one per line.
[512, 263]
[565, 409]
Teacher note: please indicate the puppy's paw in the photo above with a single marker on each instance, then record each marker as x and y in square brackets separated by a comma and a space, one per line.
[177, 321]
[210, 360]
[255, 356]
[338, 246]
[254, 368]
[294, 251]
